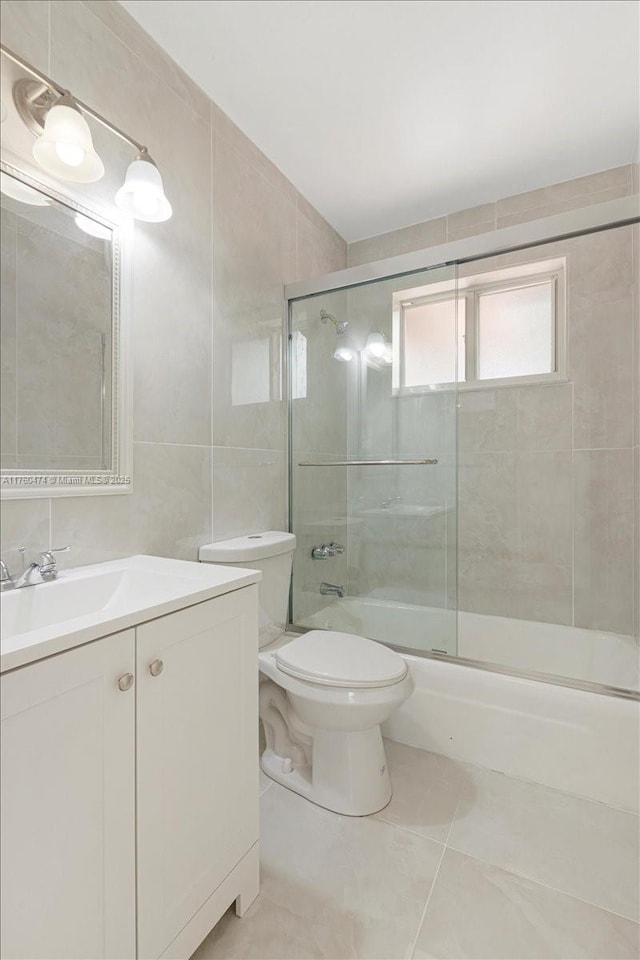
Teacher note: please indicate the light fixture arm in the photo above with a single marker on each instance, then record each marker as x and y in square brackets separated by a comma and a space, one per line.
[59, 92]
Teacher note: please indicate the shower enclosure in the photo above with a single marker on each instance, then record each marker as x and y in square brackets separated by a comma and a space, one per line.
[464, 450]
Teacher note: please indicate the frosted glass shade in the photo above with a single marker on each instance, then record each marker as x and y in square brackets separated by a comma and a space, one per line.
[142, 193]
[65, 149]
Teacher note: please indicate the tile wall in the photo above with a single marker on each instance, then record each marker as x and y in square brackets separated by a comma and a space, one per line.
[207, 285]
[547, 502]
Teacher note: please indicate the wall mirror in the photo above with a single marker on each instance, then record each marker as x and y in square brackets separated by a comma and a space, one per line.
[65, 397]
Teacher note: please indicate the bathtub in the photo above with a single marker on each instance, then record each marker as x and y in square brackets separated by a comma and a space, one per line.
[594, 656]
[581, 742]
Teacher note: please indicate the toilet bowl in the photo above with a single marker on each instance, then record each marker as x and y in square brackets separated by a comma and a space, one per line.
[323, 694]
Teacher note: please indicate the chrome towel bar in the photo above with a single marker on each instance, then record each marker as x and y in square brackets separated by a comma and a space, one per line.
[365, 463]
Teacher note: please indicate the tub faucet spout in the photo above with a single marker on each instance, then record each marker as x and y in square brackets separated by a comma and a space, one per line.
[331, 589]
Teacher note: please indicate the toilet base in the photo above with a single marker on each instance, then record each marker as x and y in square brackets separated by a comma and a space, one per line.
[348, 772]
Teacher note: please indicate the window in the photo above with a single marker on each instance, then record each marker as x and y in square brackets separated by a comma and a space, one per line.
[502, 327]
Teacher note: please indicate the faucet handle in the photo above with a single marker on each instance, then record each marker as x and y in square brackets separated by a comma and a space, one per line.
[336, 547]
[48, 566]
[4, 573]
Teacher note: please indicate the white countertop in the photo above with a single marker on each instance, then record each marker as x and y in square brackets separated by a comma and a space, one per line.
[95, 601]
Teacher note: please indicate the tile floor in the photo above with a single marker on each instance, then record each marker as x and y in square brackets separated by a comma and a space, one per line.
[463, 863]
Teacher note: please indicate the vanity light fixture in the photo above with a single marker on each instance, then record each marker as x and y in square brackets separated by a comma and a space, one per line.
[142, 193]
[22, 192]
[64, 146]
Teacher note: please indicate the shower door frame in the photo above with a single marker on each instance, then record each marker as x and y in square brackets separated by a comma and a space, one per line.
[563, 226]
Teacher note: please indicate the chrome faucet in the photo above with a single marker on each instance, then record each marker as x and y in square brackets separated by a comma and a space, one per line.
[326, 550]
[44, 571]
[331, 590]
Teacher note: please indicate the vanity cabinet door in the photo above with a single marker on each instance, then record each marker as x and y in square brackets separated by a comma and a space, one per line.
[197, 758]
[67, 869]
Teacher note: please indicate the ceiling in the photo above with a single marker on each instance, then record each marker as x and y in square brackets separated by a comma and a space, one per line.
[384, 113]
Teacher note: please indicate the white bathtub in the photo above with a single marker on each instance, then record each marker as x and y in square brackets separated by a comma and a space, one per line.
[577, 741]
[581, 743]
[596, 656]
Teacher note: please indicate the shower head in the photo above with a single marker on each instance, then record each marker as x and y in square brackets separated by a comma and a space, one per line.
[340, 325]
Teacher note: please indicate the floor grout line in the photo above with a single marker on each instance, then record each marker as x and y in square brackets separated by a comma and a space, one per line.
[539, 883]
[435, 877]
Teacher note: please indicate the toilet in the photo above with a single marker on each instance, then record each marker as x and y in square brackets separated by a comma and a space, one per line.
[323, 694]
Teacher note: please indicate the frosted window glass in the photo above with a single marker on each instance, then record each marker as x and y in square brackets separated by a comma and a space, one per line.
[430, 343]
[516, 332]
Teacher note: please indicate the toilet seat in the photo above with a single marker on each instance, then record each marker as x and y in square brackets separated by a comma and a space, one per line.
[340, 660]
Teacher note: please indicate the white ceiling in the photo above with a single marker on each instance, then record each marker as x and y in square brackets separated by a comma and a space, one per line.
[384, 113]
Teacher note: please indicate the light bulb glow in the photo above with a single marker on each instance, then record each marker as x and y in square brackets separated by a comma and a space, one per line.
[65, 149]
[376, 345]
[70, 154]
[344, 353]
[142, 193]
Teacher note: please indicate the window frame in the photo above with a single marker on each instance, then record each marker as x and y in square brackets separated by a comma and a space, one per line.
[469, 289]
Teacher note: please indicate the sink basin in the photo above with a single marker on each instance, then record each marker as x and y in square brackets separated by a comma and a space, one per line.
[91, 602]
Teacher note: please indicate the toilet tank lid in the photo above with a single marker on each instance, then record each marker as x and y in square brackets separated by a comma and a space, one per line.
[254, 546]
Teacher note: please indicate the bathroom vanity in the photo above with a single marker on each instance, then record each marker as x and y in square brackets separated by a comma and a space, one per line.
[129, 759]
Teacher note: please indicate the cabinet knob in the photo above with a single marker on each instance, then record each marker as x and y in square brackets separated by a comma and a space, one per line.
[156, 667]
[125, 682]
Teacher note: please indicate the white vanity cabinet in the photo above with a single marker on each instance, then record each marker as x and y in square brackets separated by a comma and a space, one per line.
[129, 788]
[197, 765]
[67, 766]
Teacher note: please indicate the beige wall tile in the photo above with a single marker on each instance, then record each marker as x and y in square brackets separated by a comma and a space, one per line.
[604, 571]
[560, 197]
[97, 528]
[319, 249]
[636, 526]
[172, 261]
[114, 16]
[171, 499]
[23, 523]
[249, 491]
[515, 535]
[25, 29]
[224, 128]
[392, 244]
[468, 223]
[249, 272]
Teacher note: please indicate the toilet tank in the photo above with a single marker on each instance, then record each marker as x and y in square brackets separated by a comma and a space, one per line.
[272, 554]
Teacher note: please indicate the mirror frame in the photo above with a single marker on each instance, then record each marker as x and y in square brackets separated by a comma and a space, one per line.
[17, 484]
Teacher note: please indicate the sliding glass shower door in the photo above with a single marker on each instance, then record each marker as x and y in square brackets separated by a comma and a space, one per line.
[374, 371]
